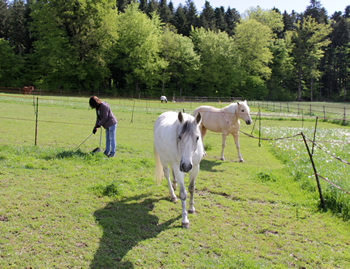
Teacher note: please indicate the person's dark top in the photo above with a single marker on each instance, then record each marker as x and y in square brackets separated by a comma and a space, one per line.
[105, 116]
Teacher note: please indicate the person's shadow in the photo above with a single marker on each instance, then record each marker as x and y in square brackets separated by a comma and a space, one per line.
[125, 223]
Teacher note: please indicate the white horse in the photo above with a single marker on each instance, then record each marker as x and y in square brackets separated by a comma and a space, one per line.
[178, 144]
[163, 99]
[225, 121]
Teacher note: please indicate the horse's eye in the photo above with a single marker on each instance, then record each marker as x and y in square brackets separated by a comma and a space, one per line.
[242, 110]
[197, 138]
[179, 137]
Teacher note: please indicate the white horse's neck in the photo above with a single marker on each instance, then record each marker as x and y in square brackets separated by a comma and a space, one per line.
[231, 112]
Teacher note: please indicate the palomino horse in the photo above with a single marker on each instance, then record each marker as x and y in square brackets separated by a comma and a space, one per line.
[225, 121]
[26, 90]
[178, 144]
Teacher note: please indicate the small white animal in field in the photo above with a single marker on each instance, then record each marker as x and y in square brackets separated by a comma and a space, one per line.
[163, 99]
[225, 121]
[178, 145]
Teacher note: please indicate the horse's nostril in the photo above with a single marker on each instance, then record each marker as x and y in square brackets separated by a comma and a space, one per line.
[185, 168]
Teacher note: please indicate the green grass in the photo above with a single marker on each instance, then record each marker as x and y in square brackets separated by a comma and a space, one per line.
[65, 208]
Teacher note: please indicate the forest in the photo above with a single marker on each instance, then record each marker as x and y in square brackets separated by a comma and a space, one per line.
[148, 48]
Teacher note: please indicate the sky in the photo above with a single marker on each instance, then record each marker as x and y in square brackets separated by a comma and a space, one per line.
[242, 5]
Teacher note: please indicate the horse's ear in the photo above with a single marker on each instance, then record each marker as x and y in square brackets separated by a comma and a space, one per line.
[238, 103]
[180, 117]
[198, 117]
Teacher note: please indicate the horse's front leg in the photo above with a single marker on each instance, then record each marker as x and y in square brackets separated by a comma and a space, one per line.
[223, 144]
[171, 190]
[174, 179]
[183, 195]
[193, 175]
[235, 136]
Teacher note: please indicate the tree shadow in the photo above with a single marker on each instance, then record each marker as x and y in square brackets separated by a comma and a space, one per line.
[208, 165]
[125, 223]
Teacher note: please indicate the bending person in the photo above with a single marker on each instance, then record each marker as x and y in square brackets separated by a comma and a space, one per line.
[106, 119]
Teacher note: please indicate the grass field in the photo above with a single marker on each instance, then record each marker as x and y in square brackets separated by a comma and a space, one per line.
[68, 209]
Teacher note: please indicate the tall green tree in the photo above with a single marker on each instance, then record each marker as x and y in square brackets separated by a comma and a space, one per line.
[232, 18]
[316, 11]
[183, 62]
[137, 50]
[192, 19]
[4, 15]
[17, 26]
[253, 39]
[308, 42]
[219, 62]
[270, 18]
[179, 20]
[164, 12]
[71, 43]
[10, 66]
[207, 17]
[220, 19]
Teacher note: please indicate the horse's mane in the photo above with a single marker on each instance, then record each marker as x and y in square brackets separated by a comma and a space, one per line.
[188, 128]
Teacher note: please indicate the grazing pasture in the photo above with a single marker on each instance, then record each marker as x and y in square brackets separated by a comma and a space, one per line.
[67, 209]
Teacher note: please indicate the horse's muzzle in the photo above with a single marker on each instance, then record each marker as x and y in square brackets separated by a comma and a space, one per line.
[185, 167]
[248, 122]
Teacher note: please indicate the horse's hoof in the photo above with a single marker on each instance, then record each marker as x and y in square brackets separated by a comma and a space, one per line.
[241, 161]
[191, 211]
[185, 225]
[174, 199]
[222, 159]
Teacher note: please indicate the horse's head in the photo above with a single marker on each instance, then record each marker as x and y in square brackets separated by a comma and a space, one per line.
[188, 139]
[244, 112]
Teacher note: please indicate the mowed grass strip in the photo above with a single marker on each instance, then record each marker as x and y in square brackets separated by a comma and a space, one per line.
[67, 208]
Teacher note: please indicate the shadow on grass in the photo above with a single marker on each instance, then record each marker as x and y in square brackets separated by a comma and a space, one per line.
[68, 154]
[208, 165]
[125, 223]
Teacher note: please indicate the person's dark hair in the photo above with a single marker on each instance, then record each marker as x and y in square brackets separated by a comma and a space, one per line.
[94, 102]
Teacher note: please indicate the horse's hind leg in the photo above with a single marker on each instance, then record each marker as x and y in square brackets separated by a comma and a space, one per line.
[235, 136]
[223, 144]
[203, 131]
[171, 190]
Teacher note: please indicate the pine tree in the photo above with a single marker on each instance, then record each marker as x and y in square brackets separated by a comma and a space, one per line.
[207, 17]
[232, 18]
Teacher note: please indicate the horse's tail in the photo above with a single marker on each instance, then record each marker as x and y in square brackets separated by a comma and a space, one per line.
[159, 168]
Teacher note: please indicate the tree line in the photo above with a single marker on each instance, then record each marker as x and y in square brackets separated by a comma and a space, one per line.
[150, 48]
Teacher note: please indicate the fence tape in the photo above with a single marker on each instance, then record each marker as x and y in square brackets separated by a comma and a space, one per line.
[330, 182]
[339, 159]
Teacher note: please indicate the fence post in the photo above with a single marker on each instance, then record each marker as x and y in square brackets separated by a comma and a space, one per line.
[324, 113]
[132, 114]
[302, 118]
[316, 175]
[36, 120]
[298, 109]
[312, 152]
[344, 117]
[310, 109]
[259, 127]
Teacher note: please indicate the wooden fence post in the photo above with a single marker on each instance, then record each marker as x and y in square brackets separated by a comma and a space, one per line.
[316, 175]
[312, 152]
[259, 127]
[36, 120]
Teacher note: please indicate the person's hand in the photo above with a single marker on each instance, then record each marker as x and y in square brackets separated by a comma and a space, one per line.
[94, 130]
